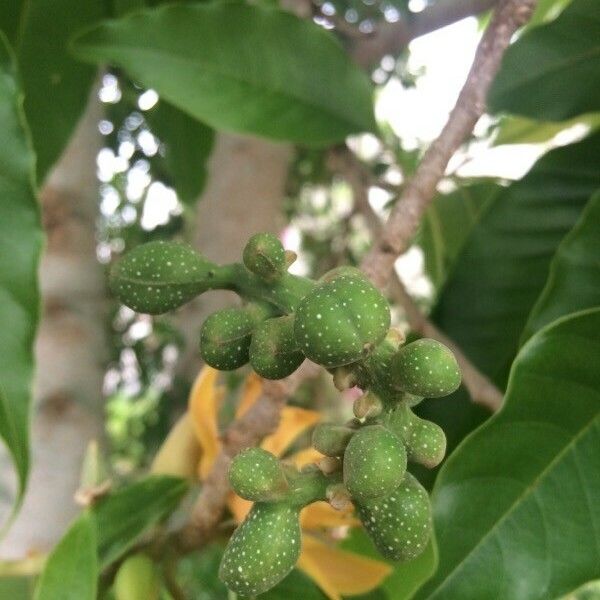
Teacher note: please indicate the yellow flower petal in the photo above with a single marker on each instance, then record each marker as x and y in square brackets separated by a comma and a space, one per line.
[204, 402]
[180, 452]
[321, 515]
[293, 422]
[238, 506]
[308, 456]
[338, 572]
[250, 394]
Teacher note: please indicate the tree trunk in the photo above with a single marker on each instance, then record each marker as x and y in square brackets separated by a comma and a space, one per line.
[70, 347]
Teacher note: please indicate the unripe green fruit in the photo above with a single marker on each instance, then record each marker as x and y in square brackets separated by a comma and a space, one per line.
[374, 462]
[137, 579]
[263, 549]
[256, 475]
[425, 441]
[157, 277]
[265, 257]
[426, 368]
[225, 338]
[274, 352]
[340, 321]
[331, 440]
[400, 523]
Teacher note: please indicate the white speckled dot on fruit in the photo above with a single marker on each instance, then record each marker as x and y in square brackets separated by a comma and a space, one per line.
[400, 523]
[262, 550]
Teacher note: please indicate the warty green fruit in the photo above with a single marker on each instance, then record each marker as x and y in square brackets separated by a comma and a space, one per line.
[330, 439]
[274, 351]
[374, 462]
[341, 320]
[262, 550]
[157, 277]
[425, 441]
[256, 475]
[425, 368]
[265, 257]
[225, 338]
[399, 523]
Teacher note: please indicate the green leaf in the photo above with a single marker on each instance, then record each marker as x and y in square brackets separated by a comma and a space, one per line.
[56, 86]
[504, 264]
[574, 273]
[71, 572]
[187, 146]
[241, 68]
[20, 246]
[551, 73]
[520, 130]
[447, 224]
[131, 511]
[516, 510]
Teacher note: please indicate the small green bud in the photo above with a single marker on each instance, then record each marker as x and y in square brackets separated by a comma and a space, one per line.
[374, 462]
[262, 550]
[425, 441]
[426, 368]
[265, 257]
[137, 579]
[331, 440]
[256, 475]
[400, 523]
[157, 277]
[274, 352]
[340, 321]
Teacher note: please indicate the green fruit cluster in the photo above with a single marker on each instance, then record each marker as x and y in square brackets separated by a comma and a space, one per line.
[341, 322]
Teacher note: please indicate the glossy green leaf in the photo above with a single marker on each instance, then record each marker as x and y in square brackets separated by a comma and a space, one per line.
[71, 572]
[574, 280]
[516, 510]
[186, 145]
[503, 266]
[56, 85]
[20, 246]
[241, 68]
[551, 73]
[127, 513]
[447, 224]
[521, 130]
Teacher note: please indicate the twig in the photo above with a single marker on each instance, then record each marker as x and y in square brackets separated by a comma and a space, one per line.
[480, 388]
[259, 421]
[392, 38]
[420, 190]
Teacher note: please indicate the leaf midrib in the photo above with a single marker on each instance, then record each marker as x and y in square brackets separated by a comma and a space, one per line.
[520, 498]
